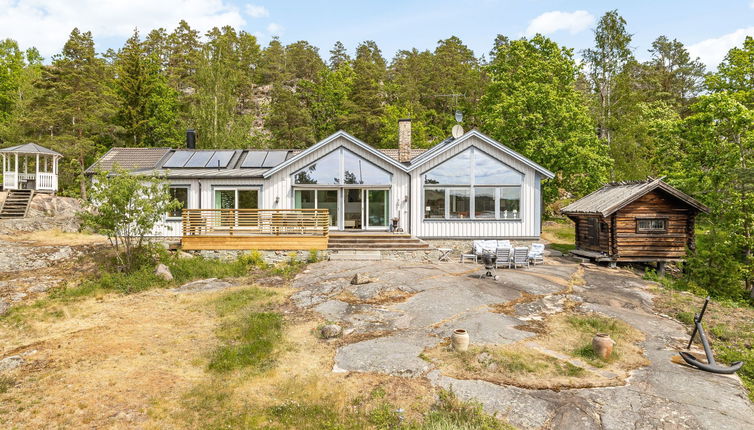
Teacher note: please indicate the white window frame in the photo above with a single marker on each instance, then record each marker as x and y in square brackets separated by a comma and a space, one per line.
[472, 186]
[236, 188]
[188, 201]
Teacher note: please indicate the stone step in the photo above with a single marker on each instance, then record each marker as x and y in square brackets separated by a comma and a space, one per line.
[344, 255]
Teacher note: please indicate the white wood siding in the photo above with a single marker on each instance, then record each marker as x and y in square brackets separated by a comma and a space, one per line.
[527, 227]
[201, 196]
[281, 183]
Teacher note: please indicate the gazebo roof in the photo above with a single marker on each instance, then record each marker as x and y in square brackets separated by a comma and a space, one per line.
[29, 148]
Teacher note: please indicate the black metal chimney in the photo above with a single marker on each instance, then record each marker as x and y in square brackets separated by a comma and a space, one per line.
[191, 138]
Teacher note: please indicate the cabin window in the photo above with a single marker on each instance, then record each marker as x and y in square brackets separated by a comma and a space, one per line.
[651, 225]
[181, 194]
[472, 185]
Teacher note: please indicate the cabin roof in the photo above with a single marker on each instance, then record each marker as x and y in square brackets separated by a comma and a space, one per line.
[617, 195]
[30, 148]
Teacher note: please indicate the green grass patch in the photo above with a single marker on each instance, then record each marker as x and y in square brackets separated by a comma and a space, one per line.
[248, 343]
[565, 248]
[592, 324]
[6, 383]
[235, 301]
[249, 337]
[452, 413]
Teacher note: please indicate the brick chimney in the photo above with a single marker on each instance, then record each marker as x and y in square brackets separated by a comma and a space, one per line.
[404, 140]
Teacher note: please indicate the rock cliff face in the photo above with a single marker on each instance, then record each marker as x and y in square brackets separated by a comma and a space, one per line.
[54, 206]
[46, 212]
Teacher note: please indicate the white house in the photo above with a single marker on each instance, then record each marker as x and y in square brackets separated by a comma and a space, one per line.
[465, 187]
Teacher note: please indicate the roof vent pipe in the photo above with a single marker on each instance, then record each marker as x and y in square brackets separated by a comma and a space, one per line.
[191, 139]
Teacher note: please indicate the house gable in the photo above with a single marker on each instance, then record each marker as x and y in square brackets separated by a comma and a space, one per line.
[342, 137]
[507, 153]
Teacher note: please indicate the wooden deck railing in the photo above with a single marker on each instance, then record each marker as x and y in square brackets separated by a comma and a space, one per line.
[255, 222]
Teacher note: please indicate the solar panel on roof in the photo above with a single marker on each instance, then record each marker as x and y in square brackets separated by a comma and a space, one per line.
[199, 159]
[220, 159]
[254, 159]
[178, 159]
[274, 158]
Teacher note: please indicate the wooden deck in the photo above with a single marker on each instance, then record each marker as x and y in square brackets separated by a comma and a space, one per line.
[262, 229]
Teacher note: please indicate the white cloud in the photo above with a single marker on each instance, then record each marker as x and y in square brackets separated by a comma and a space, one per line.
[712, 51]
[275, 29]
[550, 22]
[255, 11]
[46, 24]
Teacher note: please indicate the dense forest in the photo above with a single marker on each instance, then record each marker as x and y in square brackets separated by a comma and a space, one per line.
[591, 116]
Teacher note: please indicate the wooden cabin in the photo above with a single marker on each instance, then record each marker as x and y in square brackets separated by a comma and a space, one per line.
[643, 221]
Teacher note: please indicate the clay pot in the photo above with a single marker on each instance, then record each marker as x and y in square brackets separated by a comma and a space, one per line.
[602, 345]
[460, 340]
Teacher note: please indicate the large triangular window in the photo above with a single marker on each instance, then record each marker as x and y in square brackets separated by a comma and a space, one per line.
[342, 167]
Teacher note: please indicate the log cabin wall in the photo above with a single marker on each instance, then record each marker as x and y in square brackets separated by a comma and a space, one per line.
[592, 233]
[670, 244]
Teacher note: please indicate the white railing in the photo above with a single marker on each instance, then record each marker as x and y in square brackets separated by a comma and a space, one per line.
[26, 176]
[10, 181]
[47, 181]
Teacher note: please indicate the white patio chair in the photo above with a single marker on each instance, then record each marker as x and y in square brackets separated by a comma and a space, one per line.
[479, 247]
[504, 244]
[503, 257]
[520, 257]
[537, 253]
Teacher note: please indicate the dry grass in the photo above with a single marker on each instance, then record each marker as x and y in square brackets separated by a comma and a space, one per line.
[101, 362]
[558, 357]
[384, 297]
[57, 237]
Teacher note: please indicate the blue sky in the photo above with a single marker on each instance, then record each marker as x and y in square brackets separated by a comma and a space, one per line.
[708, 28]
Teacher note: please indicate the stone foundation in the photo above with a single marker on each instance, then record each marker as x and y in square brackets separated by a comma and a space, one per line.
[463, 246]
[274, 257]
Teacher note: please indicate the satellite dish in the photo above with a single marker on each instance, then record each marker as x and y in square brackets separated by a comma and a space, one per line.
[457, 131]
[459, 116]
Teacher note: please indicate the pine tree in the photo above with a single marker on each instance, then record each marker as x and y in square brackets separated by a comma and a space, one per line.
[671, 75]
[338, 56]
[289, 120]
[147, 107]
[272, 64]
[184, 55]
[73, 107]
[366, 101]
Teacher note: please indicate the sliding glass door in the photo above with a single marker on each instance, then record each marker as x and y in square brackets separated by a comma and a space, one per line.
[235, 198]
[319, 199]
[377, 208]
[361, 208]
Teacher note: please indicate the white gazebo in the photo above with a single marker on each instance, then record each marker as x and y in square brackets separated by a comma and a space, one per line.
[30, 167]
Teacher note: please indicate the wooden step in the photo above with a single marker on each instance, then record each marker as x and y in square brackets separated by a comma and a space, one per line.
[16, 204]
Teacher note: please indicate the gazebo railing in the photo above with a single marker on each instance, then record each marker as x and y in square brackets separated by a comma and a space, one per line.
[47, 181]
